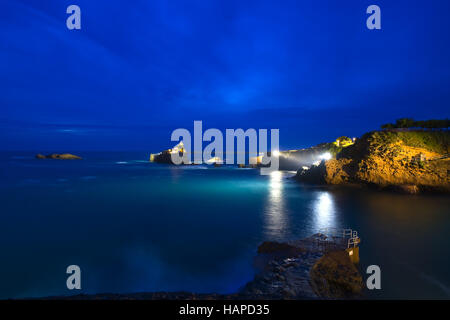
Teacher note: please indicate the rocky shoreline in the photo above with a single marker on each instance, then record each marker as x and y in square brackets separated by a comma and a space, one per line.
[403, 162]
[299, 269]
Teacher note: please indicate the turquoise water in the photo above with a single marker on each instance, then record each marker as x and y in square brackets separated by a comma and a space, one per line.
[135, 226]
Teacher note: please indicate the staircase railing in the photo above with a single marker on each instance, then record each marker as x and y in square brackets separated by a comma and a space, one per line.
[335, 237]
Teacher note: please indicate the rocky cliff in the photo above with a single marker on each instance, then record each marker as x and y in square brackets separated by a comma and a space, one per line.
[410, 161]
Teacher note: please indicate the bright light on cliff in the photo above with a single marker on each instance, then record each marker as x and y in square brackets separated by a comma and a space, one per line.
[325, 156]
[276, 153]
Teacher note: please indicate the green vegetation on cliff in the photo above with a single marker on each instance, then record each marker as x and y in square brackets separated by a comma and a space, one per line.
[434, 141]
[383, 141]
[405, 123]
[335, 147]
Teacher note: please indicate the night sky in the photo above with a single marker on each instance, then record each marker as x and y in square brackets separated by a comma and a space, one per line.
[139, 69]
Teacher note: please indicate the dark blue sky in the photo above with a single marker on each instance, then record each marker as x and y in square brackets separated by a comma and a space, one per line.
[139, 69]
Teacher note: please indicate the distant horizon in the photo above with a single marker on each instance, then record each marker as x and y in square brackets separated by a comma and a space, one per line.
[164, 144]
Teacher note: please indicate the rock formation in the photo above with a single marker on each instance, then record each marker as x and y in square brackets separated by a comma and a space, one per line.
[59, 156]
[335, 276]
[409, 162]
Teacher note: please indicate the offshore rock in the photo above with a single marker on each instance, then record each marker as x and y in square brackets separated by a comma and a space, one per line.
[58, 156]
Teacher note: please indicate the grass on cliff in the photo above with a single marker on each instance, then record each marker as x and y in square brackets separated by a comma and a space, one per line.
[436, 141]
[333, 148]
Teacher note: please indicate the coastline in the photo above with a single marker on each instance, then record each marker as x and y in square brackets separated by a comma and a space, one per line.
[408, 162]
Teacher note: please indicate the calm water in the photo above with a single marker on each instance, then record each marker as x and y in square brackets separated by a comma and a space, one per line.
[134, 226]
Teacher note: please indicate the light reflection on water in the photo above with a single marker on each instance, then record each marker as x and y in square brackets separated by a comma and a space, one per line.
[320, 213]
[324, 211]
[274, 210]
[161, 228]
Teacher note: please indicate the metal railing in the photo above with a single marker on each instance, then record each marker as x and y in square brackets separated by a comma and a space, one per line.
[334, 238]
[353, 242]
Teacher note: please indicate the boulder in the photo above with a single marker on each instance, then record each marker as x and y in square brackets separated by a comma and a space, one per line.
[334, 276]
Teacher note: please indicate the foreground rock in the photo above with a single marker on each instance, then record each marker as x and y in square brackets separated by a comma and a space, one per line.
[409, 162]
[283, 272]
[59, 156]
[335, 276]
[303, 269]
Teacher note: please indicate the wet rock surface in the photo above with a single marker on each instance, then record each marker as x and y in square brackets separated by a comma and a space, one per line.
[286, 278]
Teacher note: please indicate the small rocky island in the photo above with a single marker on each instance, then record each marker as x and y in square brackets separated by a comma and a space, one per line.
[165, 156]
[58, 156]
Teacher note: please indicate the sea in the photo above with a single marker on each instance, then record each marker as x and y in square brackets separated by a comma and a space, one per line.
[135, 226]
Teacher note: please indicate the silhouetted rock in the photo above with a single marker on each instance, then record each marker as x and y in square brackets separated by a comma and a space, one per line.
[166, 155]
